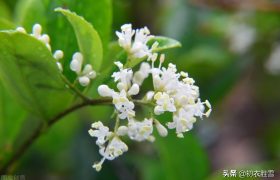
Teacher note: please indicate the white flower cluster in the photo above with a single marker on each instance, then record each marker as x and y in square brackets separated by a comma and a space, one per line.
[37, 33]
[172, 92]
[136, 47]
[84, 75]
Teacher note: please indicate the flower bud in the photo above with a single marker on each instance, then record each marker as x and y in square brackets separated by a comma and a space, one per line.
[121, 86]
[45, 38]
[134, 89]
[76, 65]
[161, 129]
[36, 30]
[58, 54]
[78, 56]
[150, 95]
[105, 91]
[21, 29]
[97, 166]
[84, 80]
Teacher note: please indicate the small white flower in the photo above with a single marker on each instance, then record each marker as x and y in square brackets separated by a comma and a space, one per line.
[136, 47]
[164, 103]
[124, 77]
[114, 149]
[101, 132]
[140, 131]
[123, 105]
[182, 122]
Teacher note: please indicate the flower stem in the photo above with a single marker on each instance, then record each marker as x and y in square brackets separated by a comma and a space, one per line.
[74, 89]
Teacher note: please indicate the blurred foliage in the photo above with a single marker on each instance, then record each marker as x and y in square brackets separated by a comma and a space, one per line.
[67, 152]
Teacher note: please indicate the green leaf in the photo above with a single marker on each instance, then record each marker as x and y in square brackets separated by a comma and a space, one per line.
[182, 158]
[30, 74]
[97, 12]
[88, 39]
[10, 122]
[164, 43]
[5, 24]
[4, 10]
[29, 12]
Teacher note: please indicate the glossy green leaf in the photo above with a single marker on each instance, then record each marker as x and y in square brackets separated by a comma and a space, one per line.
[4, 10]
[182, 158]
[5, 24]
[97, 12]
[30, 74]
[88, 39]
[10, 122]
[164, 43]
[29, 12]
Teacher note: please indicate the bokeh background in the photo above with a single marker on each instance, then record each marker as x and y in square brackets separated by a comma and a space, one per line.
[230, 47]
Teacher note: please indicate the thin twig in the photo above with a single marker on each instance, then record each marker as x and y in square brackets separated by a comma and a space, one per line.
[38, 132]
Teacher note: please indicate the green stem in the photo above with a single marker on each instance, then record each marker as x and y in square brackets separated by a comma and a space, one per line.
[117, 124]
[74, 89]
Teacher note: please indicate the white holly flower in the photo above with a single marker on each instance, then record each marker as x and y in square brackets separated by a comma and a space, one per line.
[123, 77]
[114, 149]
[164, 103]
[84, 75]
[136, 47]
[123, 105]
[101, 132]
[140, 131]
[182, 122]
[121, 99]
